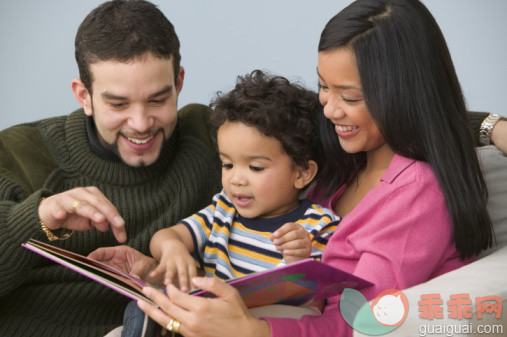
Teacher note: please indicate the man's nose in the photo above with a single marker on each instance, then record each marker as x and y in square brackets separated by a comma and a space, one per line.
[140, 120]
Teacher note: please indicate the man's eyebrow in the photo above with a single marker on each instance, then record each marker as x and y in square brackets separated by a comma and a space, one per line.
[110, 96]
[343, 87]
[167, 89]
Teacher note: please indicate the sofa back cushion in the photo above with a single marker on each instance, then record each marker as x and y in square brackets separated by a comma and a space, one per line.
[494, 167]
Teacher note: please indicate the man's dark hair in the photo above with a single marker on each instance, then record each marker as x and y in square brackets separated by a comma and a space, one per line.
[123, 30]
[276, 108]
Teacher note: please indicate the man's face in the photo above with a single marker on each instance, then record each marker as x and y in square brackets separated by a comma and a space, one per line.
[134, 106]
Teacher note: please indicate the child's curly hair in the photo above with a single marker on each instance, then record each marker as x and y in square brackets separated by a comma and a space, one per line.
[276, 108]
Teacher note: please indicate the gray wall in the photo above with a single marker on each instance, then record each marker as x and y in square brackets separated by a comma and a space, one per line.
[222, 39]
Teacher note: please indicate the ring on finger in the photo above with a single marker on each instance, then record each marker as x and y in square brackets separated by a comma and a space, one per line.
[74, 206]
[174, 325]
[169, 326]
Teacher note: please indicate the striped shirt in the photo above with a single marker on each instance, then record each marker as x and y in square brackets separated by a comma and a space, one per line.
[228, 245]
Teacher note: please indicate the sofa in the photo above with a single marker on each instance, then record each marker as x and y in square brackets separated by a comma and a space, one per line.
[487, 276]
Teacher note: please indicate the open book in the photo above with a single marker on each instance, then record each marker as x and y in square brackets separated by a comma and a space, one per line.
[295, 284]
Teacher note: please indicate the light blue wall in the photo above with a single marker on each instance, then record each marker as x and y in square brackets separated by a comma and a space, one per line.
[222, 39]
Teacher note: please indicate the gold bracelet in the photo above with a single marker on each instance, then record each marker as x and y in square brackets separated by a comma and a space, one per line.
[67, 233]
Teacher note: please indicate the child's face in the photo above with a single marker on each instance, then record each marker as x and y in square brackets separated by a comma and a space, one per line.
[258, 176]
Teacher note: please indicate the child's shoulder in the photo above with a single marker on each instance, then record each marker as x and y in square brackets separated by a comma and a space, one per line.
[321, 211]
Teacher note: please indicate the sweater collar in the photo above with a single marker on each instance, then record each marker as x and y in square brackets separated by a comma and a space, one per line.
[95, 144]
[82, 158]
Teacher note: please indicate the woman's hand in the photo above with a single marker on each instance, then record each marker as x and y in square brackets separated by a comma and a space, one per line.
[293, 241]
[499, 135]
[128, 260]
[225, 315]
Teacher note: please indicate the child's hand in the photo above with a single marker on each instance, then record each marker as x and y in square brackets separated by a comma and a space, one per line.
[177, 264]
[293, 241]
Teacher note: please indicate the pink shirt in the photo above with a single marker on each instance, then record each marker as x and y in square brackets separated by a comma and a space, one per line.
[398, 236]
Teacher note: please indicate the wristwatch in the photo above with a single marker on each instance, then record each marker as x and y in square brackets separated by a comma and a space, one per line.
[486, 128]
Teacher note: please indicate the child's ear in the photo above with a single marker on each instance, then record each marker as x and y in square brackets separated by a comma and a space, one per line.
[306, 176]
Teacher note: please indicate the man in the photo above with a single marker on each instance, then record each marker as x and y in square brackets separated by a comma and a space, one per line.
[120, 169]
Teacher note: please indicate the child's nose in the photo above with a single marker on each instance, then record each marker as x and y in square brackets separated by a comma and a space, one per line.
[238, 178]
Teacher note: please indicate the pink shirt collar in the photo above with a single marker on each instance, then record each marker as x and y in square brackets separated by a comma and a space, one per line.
[397, 166]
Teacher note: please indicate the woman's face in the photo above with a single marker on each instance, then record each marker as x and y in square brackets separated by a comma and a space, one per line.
[341, 95]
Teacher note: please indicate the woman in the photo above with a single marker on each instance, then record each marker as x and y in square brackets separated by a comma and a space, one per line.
[402, 171]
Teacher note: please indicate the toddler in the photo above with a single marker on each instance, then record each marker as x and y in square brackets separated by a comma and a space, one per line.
[266, 132]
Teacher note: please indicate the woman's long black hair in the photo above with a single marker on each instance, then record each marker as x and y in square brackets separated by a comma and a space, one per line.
[414, 96]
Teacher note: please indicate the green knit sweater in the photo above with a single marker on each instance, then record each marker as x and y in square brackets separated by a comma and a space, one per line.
[41, 298]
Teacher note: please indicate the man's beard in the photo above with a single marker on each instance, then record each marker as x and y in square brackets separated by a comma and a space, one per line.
[114, 148]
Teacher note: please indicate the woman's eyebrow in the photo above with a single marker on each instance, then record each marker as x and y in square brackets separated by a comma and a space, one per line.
[343, 87]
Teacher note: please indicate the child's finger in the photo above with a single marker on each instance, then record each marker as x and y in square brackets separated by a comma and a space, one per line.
[183, 277]
[288, 236]
[289, 226]
[157, 271]
[300, 252]
[293, 235]
[296, 244]
[169, 274]
[192, 272]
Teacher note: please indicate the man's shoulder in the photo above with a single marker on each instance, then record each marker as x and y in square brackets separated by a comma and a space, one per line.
[23, 150]
[20, 136]
[28, 134]
[193, 121]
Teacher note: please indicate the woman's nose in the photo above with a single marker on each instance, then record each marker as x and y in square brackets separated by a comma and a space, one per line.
[333, 110]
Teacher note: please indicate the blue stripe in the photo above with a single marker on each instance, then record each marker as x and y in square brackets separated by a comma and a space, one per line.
[250, 234]
[218, 246]
[272, 252]
[197, 229]
[253, 261]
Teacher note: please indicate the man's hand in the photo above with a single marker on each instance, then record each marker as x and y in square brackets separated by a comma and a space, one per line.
[177, 265]
[293, 241]
[81, 209]
[128, 260]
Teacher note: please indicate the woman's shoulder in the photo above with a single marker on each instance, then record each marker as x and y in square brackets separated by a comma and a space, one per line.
[409, 173]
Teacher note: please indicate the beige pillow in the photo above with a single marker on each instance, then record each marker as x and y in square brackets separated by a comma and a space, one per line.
[494, 167]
